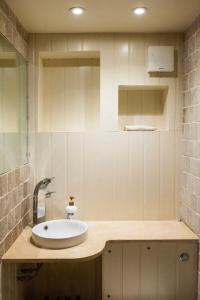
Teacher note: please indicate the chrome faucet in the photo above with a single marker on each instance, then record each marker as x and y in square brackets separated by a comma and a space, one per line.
[40, 185]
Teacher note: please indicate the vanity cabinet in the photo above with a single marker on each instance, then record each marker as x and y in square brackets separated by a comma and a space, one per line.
[52, 280]
[120, 260]
[150, 271]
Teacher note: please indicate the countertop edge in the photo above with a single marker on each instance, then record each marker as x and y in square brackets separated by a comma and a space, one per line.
[94, 249]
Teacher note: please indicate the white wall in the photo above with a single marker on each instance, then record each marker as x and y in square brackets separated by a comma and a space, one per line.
[113, 175]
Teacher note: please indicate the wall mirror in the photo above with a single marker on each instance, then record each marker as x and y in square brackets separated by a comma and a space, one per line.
[13, 108]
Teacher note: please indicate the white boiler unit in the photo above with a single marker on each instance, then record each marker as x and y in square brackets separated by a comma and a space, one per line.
[161, 59]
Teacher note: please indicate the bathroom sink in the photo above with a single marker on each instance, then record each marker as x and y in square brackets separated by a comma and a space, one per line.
[59, 234]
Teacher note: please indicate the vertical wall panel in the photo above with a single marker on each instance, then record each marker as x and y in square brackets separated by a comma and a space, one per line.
[74, 42]
[167, 175]
[112, 277]
[121, 177]
[122, 109]
[98, 187]
[171, 101]
[58, 42]
[43, 155]
[151, 175]
[43, 43]
[136, 175]
[59, 184]
[92, 98]
[108, 92]
[121, 56]
[75, 170]
[91, 42]
[56, 91]
[71, 92]
[90, 177]
[137, 59]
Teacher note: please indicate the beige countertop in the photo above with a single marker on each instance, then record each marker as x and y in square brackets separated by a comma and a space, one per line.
[99, 233]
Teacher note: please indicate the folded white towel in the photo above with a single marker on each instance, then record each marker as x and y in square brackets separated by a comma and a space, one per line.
[139, 128]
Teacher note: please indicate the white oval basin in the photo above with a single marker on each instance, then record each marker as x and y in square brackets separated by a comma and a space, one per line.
[59, 234]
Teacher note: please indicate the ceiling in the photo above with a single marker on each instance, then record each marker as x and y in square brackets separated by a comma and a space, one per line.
[105, 15]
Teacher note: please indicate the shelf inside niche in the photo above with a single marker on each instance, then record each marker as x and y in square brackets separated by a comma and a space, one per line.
[142, 105]
[69, 91]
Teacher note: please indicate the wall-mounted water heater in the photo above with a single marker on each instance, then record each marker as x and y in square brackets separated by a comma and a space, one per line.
[161, 59]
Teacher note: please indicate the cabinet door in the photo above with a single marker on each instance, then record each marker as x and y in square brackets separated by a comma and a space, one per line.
[150, 271]
[112, 272]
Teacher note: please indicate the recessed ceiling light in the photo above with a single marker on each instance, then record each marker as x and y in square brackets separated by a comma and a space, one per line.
[139, 10]
[77, 10]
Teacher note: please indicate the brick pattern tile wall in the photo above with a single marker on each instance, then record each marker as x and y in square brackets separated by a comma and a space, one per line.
[11, 28]
[190, 190]
[15, 197]
[15, 205]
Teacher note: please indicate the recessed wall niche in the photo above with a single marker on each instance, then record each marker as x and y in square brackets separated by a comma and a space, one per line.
[142, 105]
[69, 91]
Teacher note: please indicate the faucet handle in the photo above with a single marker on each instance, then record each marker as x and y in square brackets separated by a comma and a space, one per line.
[48, 194]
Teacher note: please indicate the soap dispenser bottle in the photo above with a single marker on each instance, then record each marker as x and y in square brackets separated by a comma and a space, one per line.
[71, 208]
